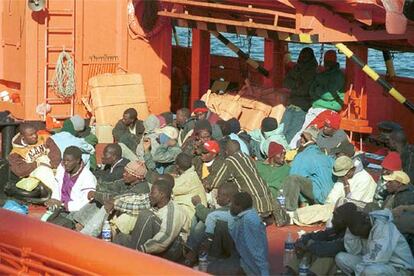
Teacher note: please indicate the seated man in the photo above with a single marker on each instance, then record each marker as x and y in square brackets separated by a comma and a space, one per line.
[152, 125]
[352, 185]
[34, 155]
[163, 157]
[201, 134]
[359, 186]
[400, 192]
[67, 136]
[398, 142]
[129, 129]
[157, 230]
[74, 182]
[269, 131]
[204, 225]
[375, 247]
[390, 164]
[310, 174]
[249, 235]
[331, 135]
[114, 164]
[321, 247]
[187, 185]
[274, 169]
[185, 124]
[242, 170]
[132, 183]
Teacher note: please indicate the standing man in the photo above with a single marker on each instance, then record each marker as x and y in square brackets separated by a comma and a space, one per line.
[129, 129]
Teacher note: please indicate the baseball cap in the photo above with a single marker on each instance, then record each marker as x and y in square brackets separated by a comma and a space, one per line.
[344, 147]
[342, 166]
[399, 176]
[169, 131]
[211, 146]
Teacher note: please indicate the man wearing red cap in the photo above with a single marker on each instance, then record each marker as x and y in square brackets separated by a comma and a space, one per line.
[274, 169]
[331, 135]
[390, 164]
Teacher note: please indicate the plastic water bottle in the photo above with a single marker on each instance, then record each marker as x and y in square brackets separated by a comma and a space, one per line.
[203, 262]
[281, 199]
[289, 250]
[106, 231]
[304, 267]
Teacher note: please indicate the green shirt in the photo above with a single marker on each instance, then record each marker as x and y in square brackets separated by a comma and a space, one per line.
[273, 175]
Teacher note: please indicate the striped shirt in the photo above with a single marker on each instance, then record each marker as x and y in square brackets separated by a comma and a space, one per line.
[242, 170]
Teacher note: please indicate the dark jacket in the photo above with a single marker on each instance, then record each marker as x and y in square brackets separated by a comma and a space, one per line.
[122, 134]
[298, 80]
[325, 243]
[405, 197]
[108, 190]
[407, 159]
[109, 174]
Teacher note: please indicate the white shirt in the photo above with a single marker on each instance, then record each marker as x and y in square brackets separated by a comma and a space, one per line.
[362, 188]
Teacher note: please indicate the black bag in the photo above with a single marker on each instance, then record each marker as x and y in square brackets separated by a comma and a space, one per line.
[58, 217]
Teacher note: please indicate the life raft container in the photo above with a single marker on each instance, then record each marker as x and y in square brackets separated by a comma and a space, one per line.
[143, 20]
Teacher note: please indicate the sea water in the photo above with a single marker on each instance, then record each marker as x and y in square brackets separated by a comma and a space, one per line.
[403, 62]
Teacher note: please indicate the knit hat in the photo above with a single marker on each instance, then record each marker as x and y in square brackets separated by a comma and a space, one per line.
[78, 122]
[392, 161]
[344, 147]
[269, 124]
[399, 176]
[312, 131]
[136, 168]
[211, 146]
[342, 166]
[274, 149]
[234, 125]
[333, 120]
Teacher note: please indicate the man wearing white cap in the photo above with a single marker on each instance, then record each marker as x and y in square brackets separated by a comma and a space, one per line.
[351, 184]
[164, 156]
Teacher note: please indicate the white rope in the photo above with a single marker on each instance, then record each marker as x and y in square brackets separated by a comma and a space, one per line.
[64, 81]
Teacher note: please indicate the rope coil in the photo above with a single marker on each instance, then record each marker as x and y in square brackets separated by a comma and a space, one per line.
[64, 80]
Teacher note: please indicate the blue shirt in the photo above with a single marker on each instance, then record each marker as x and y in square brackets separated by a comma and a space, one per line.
[249, 235]
[213, 217]
[312, 163]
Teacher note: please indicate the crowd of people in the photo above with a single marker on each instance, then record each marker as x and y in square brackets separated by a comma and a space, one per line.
[186, 184]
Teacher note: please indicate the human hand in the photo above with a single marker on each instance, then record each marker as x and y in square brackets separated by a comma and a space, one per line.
[91, 195]
[196, 200]
[53, 203]
[109, 205]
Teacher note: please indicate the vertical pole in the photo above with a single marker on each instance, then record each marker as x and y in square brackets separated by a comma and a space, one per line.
[274, 51]
[200, 64]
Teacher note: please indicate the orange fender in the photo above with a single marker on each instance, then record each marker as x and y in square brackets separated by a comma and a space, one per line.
[28, 245]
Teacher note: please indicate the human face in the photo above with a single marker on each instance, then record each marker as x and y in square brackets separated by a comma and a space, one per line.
[70, 163]
[180, 119]
[201, 115]
[235, 209]
[29, 136]
[207, 156]
[222, 198]
[155, 196]
[127, 120]
[362, 230]
[279, 159]
[393, 186]
[129, 178]
[108, 157]
[328, 130]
